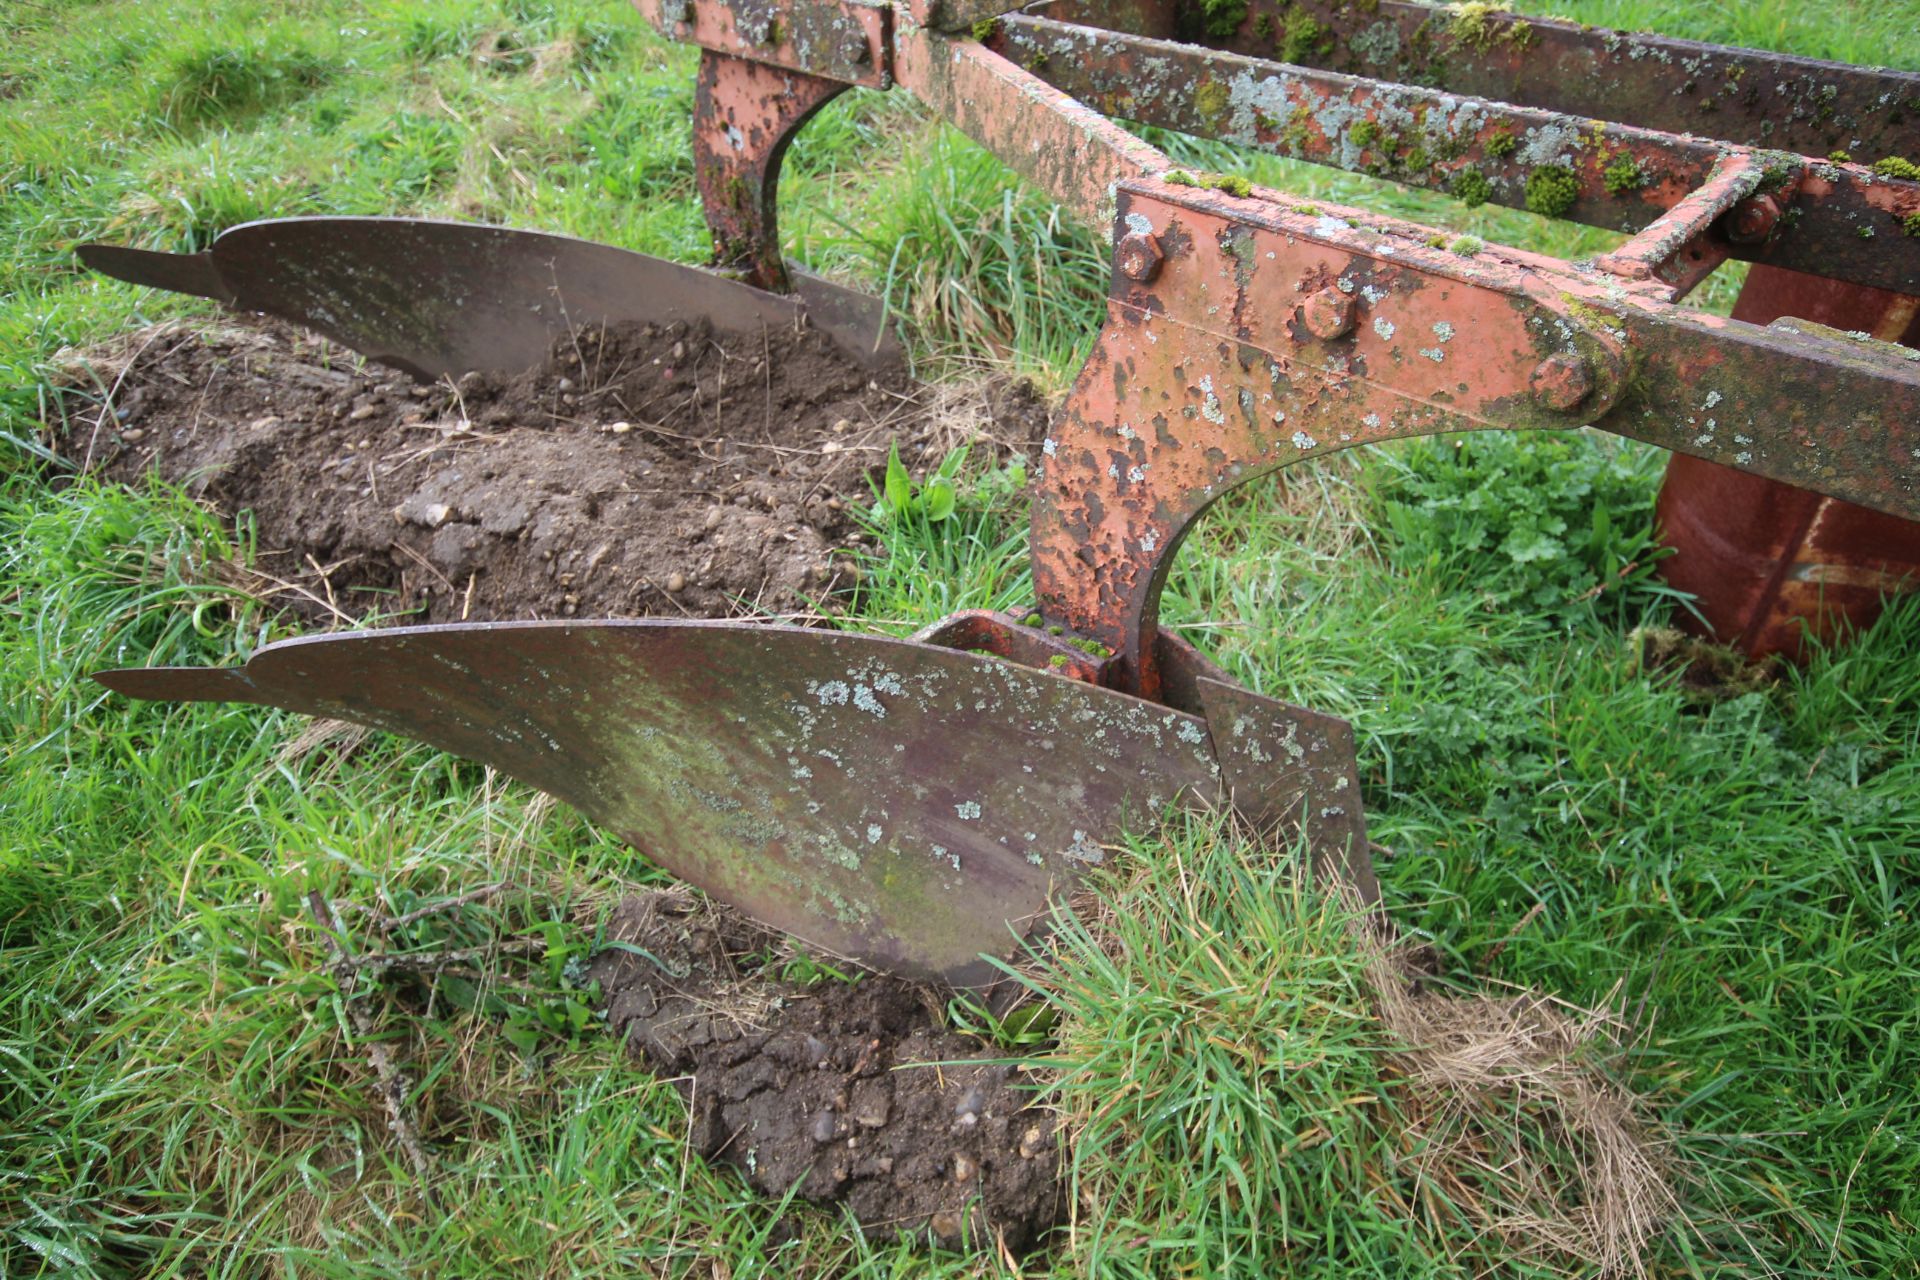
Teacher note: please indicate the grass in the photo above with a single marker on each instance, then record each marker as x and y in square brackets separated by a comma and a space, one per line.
[186, 1090]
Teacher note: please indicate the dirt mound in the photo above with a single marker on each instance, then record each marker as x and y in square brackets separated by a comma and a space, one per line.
[854, 1092]
[644, 470]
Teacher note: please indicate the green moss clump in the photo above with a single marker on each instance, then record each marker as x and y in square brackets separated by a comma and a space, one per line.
[1476, 25]
[1911, 224]
[1471, 188]
[1840, 157]
[1623, 175]
[1091, 647]
[1263, 27]
[1436, 242]
[1865, 233]
[1037, 61]
[1302, 36]
[1367, 134]
[1180, 178]
[1467, 246]
[1552, 190]
[1211, 101]
[1058, 660]
[986, 29]
[1299, 131]
[1313, 210]
[1897, 167]
[1501, 144]
[1233, 184]
[1417, 160]
[1223, 17]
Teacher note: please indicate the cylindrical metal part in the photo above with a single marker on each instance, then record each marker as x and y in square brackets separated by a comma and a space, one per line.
[1771, 565]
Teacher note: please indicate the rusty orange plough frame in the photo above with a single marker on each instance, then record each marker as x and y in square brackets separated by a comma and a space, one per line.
[1246, 330]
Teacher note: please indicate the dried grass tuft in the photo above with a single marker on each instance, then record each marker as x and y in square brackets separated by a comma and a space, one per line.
[1514, 1119]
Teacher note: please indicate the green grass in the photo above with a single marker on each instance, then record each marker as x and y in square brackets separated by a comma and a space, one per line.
[185, 1095]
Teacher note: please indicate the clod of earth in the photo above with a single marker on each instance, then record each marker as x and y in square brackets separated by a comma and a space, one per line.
[642, 470]
[855, 1093]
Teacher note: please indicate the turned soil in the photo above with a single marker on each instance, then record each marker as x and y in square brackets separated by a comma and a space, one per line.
[642, 471]
[852, 1092]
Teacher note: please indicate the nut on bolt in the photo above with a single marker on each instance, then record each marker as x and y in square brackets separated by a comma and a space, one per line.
[1753, 219]
[1140, 256]
[1562, 381]
[1329, 313]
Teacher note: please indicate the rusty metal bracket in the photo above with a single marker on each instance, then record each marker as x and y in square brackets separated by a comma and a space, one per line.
[836, 39]
[1270, 332]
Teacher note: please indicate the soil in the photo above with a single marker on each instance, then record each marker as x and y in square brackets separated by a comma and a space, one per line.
[855, 1092]
[642, 471]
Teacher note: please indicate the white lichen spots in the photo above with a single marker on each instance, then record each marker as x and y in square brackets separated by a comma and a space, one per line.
[801, 772]
[1371, 421]
[1136, 474]
[1743, 457]
[1140, 224]
[1126, 432]
[1210, 407]
[1113, 471]
[833, 693]
[1035, 858]
[1434, 354]
[1713, 398]
[1737, 437]
[1279, 416]
[1302, 441]
[1149, 540]
[1345, 284]
[1084, 849]
[873, 833]
[1383, 327]
[1704, 439]
[1328, 225]
[968, 810]
[863, 698]
[1373, 293]
[1047, 447]
[1548, 144]
[1191, 734]
[1443, 331]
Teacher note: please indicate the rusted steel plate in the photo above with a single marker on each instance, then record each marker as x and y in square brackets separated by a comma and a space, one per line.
[1770, 565]
[1846, 222]
[907, 806]
[1268, 334]
[1745, 96]
[1067, 149]
[1292, 771]
[839, 39]
[434, 298]
[745, 116]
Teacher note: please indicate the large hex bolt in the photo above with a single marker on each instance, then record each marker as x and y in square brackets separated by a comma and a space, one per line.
[1329, 313]
[1562, 381]
[1140, 256]
[1753, 219]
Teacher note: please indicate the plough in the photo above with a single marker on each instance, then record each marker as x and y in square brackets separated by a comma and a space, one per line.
[915, 804]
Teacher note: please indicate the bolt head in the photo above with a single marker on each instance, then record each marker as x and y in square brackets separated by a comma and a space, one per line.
[1329, 313]
[1753, 219]
[1562, 381]
[1139, 256]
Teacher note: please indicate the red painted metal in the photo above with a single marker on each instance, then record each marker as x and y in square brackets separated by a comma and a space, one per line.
[745, 116]
[1238, 360]
[1770, 565]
